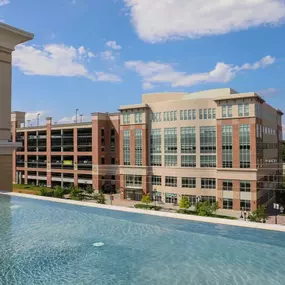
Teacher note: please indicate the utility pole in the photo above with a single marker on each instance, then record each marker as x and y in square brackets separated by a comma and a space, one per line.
[38, 119]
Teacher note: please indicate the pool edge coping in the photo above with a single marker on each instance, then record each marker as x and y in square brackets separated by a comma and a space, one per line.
[237, 223]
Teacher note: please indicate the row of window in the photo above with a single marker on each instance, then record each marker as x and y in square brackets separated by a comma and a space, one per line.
[186, 182]
[186, 160]
[207, 114]
[245, 186]
[260, 130]
[138, 115]
[244, 204]
[243, 110]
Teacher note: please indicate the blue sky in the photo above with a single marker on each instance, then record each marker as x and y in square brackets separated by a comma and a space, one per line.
[96, 55]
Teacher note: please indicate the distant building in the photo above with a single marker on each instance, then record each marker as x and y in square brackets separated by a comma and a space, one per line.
[216, 145]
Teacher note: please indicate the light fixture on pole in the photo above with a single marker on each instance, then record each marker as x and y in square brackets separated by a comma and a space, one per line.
[38, 119]
[76, 115]
[81, 118]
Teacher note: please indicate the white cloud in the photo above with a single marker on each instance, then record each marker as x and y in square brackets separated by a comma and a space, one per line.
[170, 19]
[113, 45]
[54, 60]
[107, 55]
[72, 119]
[109, 77]
[154, 73]
[4, 2]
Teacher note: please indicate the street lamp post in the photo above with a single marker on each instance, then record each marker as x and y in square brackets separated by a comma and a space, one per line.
[81, 118]
[38, 119]
[76, 114]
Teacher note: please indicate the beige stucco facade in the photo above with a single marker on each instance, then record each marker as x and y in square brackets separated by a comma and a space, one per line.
[9, 38]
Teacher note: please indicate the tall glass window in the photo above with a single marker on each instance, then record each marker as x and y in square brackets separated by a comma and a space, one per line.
[208, 183]
[188, 140]
[170, 140]
[243, 109]
[170, 160]
[138, 147]
[126, 148]
[227, 145]
[138, 117]
[244, 145]
[126, 118]
[155, 147]
[208, 139]
[188, 182]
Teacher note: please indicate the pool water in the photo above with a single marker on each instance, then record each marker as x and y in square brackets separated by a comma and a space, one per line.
[52, 243]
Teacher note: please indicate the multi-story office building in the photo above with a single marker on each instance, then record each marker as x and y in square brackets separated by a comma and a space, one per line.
[216, 145]
[77, 154]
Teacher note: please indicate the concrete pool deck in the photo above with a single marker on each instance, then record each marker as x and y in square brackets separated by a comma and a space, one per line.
[236, 223]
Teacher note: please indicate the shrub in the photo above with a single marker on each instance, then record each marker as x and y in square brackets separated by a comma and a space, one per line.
[45, 192]
[206, 208]
[58, 192]
[184, 203]
[76, 193]
[147, 207]
[259, 215]
[101, 198]
[89, 189]
[146, 199]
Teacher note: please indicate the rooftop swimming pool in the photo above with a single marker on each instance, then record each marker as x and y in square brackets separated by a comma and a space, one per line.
[51, 243]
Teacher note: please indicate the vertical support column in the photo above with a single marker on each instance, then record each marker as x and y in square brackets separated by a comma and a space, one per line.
[48, 143]
[145, 184]
[236, 196]
[75, 154]
[220, 193]
[14, 127]
[95, 152]
[145, 161]
[253, 190]
[122, 187]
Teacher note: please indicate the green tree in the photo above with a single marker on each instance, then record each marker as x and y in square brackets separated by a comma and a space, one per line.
[58, 192]
[259, 215]
[146, 199]
[206, 208]
[184, 202]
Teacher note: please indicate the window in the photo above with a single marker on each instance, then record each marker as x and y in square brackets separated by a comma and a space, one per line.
[188, 160]
[155, 117]
[188, 140]
[208, 161]
[227, 146]
[188, 182]
[156, 180]
[113, 140]
[245, 205]
[133, 181]
[227, 185]
[102, 160]
[227, 111]
[138, 117]
[171, 198]
[102, 132]
[113, 161]
[208, 139]
[126, 148]
[245, 186]
[170, 116]
[170, 181]
[228, 204]
[243, 109]
[187, 115]
[170, 140]
[244, 137]
[155, 147]
[207, 114]
[211, 199]
[138, 147]
[170, 160]
[126, 117]
[155, 160]
[208, 183]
